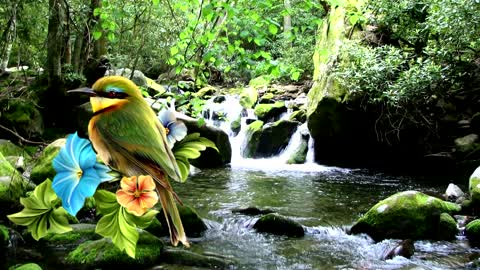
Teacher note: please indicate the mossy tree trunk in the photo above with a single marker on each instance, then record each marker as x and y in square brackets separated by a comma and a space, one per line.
[8, 36]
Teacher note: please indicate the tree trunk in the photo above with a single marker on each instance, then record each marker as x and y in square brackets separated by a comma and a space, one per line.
[8, 38]
[99, 45]
[77, 53]
[287, 19]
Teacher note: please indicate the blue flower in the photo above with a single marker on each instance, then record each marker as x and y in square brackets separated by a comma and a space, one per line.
[176, 130]
[78, 173]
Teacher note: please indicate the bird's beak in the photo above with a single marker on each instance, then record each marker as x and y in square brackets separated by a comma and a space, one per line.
[84, 90]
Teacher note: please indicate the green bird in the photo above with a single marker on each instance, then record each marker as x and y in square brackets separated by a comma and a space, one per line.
[128, 136]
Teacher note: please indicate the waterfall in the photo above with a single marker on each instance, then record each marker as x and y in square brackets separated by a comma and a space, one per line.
[222, 111]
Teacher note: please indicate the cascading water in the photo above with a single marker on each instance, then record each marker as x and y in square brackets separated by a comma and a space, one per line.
[225, 110]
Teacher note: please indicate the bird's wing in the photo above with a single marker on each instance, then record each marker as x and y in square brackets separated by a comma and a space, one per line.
[140, 139]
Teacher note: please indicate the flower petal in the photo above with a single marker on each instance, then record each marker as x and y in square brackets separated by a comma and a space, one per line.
[166, 117]
[136, 208]
[87, 157]
[129, 183]
[103, 172]
[145, 183]
[124, 197]
[178, 130]
[149, 199]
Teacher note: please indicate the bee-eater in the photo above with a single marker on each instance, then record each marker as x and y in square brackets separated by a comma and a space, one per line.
[128, 136]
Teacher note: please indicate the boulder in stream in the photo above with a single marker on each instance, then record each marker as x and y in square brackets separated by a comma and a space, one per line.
[405, 248]
[267, 112]
[409, 215]
[43, 167]
[472, 231]
[192, 223]
[279, 225]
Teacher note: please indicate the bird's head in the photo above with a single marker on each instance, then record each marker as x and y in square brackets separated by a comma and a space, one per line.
[111, 92]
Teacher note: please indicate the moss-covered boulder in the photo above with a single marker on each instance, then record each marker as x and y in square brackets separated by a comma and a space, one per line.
[248, 97]
[279, 225]
[80, 233]
[267, 112]
[252, 138]
[274, 138]
[27, 266]
[474, 187]
[408, 214]
[43, 168]
[447, 227]
[260, 82]
[103, 254]
[466, 143]
[472, 231]
[189, 258]
[209, 158]
[299, 155]
[299, 116]
[192, 223]
[7, 148]
[206, 92]
[23, 115]
[12, 185]
[267, 98]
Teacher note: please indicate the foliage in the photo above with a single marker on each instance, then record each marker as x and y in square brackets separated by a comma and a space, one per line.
[41, 213]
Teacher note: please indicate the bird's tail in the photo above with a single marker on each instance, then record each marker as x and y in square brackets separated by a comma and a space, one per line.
[175, 227]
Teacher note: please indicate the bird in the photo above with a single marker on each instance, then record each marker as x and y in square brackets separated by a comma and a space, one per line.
[127, 136]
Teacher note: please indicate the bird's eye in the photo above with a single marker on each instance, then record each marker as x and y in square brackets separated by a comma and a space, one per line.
[112, 94]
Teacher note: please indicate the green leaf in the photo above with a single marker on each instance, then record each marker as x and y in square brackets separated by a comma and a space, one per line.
[174, 50]
[189, 148]
[119, 225]
[273, 29]
[97, 35]
[39, 213]
[155, 2]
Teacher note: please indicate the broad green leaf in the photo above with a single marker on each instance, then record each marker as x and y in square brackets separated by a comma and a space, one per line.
[39, 213]
[273, 29]
[156, 2]
[189, 148]
[119, 225]
[97, 35]
[173, 50]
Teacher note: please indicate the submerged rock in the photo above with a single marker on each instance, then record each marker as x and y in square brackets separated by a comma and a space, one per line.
[408, 214]
[405, 248]
[103, 254]
[252, 211]
[43, 168]
[189, 258]
[279, 225]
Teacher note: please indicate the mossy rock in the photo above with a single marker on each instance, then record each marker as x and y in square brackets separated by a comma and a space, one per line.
[192, 222]
[43, 167]
[299, 156]
[103, 254]
[69, 240]
[189, 258]
[274, 138]
[260, 82]
[23, 115]
[27, 266]
[408, 215]
[299, 116]
[266, 112]
[254, 130]
[248, 97]
[236, 125]
[7, 148]
[447, 227]
[474, 187]
[467, 143]
[279, 225]
[206, 91]
[12, 184]
[472, 231]
[267, 98]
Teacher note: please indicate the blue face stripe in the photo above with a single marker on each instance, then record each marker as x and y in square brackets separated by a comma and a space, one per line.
[114, 89]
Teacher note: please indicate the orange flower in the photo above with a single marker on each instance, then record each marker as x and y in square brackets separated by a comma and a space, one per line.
[137, 196]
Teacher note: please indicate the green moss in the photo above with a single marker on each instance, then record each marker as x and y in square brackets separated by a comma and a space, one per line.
[267, 97]
[299, 116]
[7, 148]
[263, 111]
[447, 227]
[248, 97]
[12, 184]
[408, 214]
[472, 231]
[260, 82]
[254, 130]
[27, 266]
[43, 168]
[102, 253]
[300, 154]
[206, 91]
[79, 234]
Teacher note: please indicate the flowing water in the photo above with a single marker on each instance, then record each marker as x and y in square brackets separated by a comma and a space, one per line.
[326, 201]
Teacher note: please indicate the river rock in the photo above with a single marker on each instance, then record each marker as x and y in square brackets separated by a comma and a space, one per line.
[209, 158]
[472, 231]
[269, 112]
[189, 258]
[27, 266]
[192, 223]
[408, 215]
[279, 225]
[405, 248]
[454, 194]
[252, 211]
[103, 254]
[80, 233]
[12, 186]
[206, 92]
[43, 168]
[299, 116]
[267, 140]
[248, 97]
